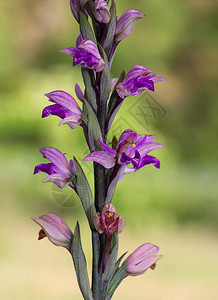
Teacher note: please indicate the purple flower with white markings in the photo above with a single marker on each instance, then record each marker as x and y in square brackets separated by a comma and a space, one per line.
[59, 170]
[55, 229]
[131, 149]
[143, 258]
[65, 107]
[86, 55]
[101, 11]
[136, 81]
[126, 23]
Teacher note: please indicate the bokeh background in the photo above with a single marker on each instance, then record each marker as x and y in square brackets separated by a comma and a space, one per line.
[175, 207]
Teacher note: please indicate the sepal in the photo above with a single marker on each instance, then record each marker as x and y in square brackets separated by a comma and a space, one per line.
[85, 194]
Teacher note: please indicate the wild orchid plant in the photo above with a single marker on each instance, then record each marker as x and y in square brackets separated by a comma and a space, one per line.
[101, 100]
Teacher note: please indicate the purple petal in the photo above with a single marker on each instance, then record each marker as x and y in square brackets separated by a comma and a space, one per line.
[55, 110]
[60, 179]
[72, 166]
[102, 158]
[79, 92]
[56, 157]
[126, 23]
[64, 99]
[158, 78]
[148, 147]
[134, 73]
[107, 149]
[46, 168]
[79, 40]
[147, 160]
[126, 134]
[125, 159]
[140, 85]
[72, 120]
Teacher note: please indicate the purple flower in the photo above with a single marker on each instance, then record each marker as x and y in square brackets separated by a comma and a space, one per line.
[55, 229]
[126, 23]
[108, 221]
[101, 11]
[143, 258]
[66, 108]
[136, 81]
[76, 7]
[131, 148]
[86, 54]
[59, 170]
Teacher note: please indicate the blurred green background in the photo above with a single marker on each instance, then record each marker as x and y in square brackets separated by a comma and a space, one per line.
[175, 207]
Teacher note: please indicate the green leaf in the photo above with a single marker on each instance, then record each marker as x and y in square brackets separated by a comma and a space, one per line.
[85, 28]
[89, 81]
[85, 194]
[111, 29]
[80, 265]
[116, 280]
[94, 130]
[105, 83]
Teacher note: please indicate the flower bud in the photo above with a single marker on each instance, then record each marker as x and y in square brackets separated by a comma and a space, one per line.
[126, 23]
[55, 229]
[143, 258]
[76, 7]
[101, 11]
[108, 222]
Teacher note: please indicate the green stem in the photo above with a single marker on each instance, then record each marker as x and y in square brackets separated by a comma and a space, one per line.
[96, 275]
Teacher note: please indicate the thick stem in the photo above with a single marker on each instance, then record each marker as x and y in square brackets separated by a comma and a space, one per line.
[100, 195]
[96, 274]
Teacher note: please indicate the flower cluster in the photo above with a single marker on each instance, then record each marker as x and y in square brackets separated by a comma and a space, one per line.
[99, 103]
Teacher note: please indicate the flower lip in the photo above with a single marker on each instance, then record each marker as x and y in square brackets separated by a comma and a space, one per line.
[108, 221]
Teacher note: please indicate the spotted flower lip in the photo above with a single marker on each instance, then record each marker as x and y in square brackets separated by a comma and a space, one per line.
[143, 258]
[101, 11]
[108, 221]
[86, 55]
[136, 81]
[65, 107]
[131, 149]
[126, 23]
[55, 229]
[59, 170]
